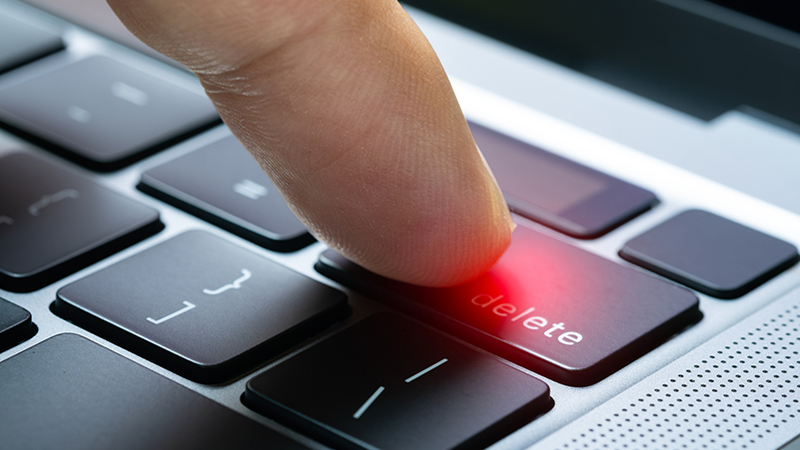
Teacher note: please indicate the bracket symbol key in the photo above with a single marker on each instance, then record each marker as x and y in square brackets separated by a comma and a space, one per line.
[48, 200]
[236, 284]
[188, 307]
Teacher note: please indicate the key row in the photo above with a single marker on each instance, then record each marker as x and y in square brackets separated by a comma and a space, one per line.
[385, 382]
[551, 307]
[96, 111]
[210, 310]
[104, 114]
[53, 222]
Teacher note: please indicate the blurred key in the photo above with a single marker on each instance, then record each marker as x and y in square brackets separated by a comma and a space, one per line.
[201, 306]
[54, 222]
[70, 393]
[102, 113]
[546, 305]
[15, 325]
[390, 383]
[224, 185]
[710, 253]
[21, 42]
[562, 194]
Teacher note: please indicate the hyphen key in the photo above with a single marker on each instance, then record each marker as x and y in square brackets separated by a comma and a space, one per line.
[548, 306]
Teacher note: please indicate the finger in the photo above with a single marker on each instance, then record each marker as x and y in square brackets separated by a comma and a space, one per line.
[346, 107]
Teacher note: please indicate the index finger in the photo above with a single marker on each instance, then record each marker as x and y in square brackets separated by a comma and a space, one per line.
[345, 105]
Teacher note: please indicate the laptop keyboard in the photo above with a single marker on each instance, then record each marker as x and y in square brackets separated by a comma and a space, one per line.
[152, 297]
[531, 309]
[102, 113]
[69, 392]
[377, 380]
[229, 307]
[221, 184]
[56, 222]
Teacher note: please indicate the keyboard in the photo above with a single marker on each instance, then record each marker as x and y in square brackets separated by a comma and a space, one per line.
[157, 292]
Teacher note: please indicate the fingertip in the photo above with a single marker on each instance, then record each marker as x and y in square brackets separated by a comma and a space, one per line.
[447, 256]
[346, 107]
[465, 265]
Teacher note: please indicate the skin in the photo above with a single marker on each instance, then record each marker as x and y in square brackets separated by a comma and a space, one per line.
[346, 107]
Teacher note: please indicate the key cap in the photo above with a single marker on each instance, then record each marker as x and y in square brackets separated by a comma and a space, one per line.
[70, 393]
[21, 43]
[54, 222]
[103, 114]
[566, 196]
[223, 184]
[548, 306]
[15, 325]
[709, 253]
[390, 383]
[200, 306]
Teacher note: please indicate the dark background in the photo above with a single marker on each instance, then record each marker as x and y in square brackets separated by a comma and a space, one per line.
[693, 56]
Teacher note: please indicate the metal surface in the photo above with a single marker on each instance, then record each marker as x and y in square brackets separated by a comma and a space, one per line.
[740, 390]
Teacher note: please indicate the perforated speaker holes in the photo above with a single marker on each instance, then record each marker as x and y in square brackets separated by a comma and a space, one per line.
[733, 398]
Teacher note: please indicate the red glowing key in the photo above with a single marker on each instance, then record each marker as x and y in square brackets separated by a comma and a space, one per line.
[556, 309]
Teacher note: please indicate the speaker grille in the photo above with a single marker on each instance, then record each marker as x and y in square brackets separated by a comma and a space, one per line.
[739, 391]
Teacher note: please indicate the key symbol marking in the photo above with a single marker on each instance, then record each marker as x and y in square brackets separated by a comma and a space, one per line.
[426, 370]
[173, 315]
[250, 189]
[79, 114]
[380, 389]
[130, 94]
[48, 200]
[368, 402]
[237, 283]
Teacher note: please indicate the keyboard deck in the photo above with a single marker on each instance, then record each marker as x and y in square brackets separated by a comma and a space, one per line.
[156, 291]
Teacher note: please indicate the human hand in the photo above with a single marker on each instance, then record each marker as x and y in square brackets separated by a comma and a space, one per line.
[346, 107]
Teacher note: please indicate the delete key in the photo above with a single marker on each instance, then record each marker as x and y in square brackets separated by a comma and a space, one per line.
[553, 308]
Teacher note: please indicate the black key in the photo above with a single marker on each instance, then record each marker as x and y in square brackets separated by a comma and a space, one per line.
[201, 306]
[557, 192]
[15, 325]
[224, 185]
[54, 222]
[21, 42]
[390, 383]
[546, 305]
[709, 253]
[69, 393]
[102, 113]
